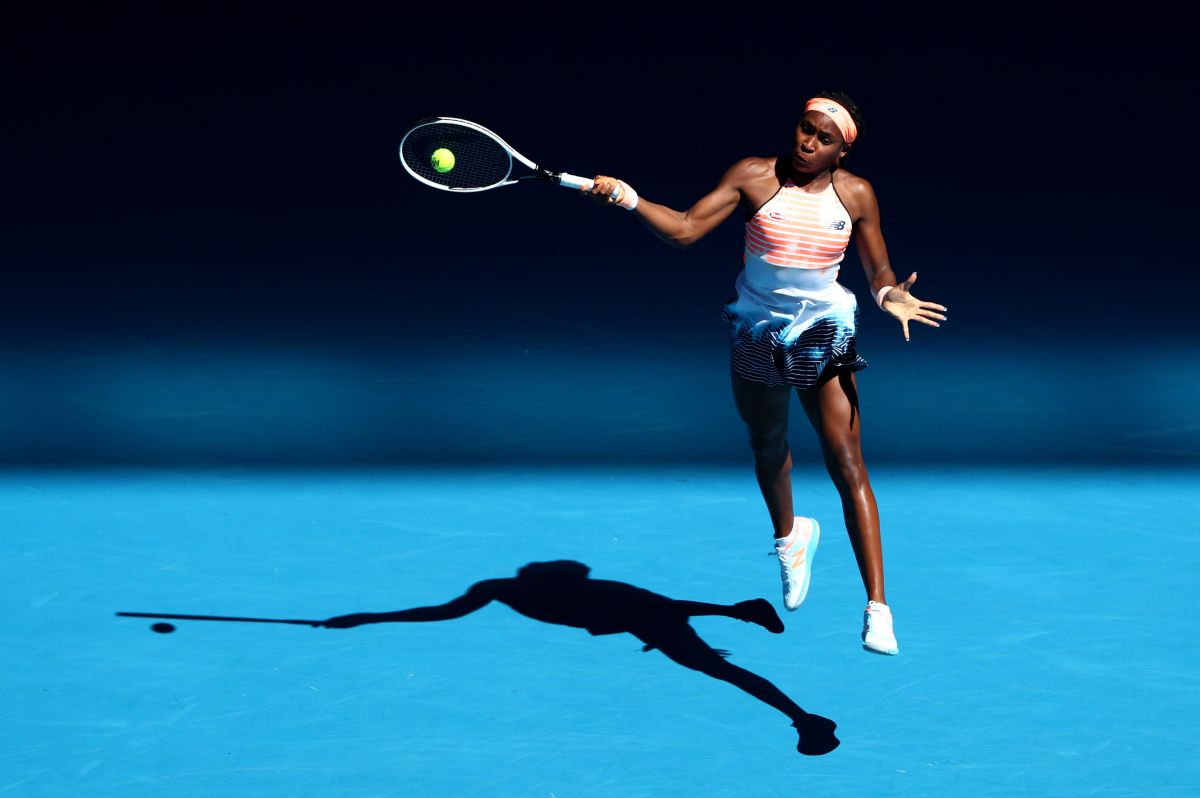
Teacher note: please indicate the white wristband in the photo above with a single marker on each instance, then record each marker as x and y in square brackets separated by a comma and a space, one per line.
[881, 293]
[629, 197]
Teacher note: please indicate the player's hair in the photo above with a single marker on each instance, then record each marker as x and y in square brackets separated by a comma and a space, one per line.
[843, 99]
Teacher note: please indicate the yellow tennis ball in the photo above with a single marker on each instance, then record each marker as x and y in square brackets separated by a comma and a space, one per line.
[443, 159]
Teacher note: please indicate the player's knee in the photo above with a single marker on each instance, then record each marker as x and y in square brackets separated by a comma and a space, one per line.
[847, 464]
[769, 446]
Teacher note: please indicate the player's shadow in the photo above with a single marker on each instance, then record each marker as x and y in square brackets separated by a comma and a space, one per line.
[560, 592]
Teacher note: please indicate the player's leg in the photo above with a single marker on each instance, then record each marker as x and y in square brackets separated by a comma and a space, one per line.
[764, 411]
[832, 408]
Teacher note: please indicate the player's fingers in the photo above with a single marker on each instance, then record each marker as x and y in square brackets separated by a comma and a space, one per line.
[924, 320]
[929, 314]
[907, 284]
[603, 189]
[904, 324]
[933, 306]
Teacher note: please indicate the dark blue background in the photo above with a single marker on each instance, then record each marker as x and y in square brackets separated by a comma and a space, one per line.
[211, 254]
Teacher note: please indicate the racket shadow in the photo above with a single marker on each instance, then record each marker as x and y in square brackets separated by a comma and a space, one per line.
[561, 592]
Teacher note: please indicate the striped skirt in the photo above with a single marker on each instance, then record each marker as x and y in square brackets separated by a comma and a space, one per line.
[792, 345]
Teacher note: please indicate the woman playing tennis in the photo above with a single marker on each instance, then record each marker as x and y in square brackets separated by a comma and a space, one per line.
[792, 326]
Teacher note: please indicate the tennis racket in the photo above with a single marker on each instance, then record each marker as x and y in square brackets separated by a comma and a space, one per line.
[218, 618]
[479, 160]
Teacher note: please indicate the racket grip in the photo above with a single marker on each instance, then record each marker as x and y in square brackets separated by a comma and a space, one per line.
[568, 180]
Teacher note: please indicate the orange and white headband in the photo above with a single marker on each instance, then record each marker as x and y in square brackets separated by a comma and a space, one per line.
[840, 116]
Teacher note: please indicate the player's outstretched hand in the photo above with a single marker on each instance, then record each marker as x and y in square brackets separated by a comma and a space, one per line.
[901, 304]
[349, 621]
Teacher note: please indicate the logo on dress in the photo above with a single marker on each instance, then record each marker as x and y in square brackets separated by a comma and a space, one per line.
[777, 216]
[840, 224]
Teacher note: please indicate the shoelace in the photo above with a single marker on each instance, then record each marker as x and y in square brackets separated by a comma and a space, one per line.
[879, 620]
[776, 550]
[784, 556]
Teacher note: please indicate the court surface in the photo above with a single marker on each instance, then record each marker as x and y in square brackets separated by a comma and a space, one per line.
[1044, 615]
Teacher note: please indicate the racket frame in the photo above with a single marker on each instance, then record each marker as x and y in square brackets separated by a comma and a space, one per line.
[564, 179]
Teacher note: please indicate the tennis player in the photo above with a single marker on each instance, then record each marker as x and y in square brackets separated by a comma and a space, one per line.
[792, 326]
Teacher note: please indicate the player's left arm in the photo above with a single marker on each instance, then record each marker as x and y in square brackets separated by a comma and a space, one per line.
[898, 300]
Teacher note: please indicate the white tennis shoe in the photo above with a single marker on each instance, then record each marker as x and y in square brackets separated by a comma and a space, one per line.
[795, 559]
[877, 635]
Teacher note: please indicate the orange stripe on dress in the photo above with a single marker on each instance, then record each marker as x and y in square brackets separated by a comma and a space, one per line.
[799, 224]
[788, 251]
[815, 236]
[797, 253]
[793, 230]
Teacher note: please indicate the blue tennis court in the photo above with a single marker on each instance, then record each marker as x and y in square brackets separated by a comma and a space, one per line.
[1042, 614]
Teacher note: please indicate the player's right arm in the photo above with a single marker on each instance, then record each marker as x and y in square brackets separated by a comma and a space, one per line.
[684, 228]
[477, 596]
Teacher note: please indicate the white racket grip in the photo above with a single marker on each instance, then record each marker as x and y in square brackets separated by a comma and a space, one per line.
[577, 182]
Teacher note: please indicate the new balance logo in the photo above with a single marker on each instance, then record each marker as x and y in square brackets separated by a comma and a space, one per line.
[838, 225]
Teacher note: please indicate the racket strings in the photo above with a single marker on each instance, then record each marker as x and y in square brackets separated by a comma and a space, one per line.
[479, 160]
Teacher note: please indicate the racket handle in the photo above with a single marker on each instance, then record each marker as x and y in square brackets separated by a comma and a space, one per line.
[576, 182]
